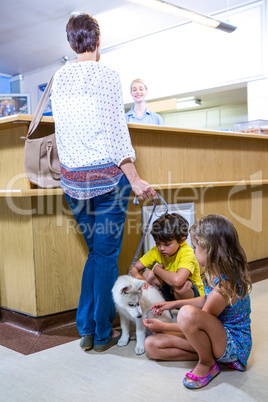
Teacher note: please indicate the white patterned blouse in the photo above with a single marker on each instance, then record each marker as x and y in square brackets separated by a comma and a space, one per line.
[91, 131]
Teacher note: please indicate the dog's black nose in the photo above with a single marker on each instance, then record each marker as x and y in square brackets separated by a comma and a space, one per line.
[139, 316]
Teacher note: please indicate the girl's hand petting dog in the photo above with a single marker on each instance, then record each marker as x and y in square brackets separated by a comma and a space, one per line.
[162, 306]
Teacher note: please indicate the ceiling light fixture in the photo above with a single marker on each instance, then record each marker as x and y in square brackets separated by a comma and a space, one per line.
[185, 103]
[186, 14]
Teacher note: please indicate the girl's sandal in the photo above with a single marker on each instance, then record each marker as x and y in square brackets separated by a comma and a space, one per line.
[236, 366]
[192, 381]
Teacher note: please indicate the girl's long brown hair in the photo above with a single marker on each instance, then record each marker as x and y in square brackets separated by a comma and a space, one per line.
[225, 257]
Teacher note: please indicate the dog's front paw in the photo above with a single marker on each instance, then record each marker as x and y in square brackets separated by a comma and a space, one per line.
[139, 350]
[122, 341]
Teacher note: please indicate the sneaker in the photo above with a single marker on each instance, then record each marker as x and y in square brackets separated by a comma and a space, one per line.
[87, 342]
[104, 346]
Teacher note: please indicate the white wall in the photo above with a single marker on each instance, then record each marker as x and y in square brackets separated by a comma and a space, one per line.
[258, 100]
[192, 57]
[31, 81]
[223, 117]
[185, 59]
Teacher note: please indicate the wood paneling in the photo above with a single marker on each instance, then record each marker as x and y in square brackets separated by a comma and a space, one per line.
[164, 158]
[42, 250]
[12, 174]
[17, 268]
[60, 255]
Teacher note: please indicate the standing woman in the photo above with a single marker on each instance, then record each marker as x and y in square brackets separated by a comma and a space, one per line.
[140, 113]
[97, 172]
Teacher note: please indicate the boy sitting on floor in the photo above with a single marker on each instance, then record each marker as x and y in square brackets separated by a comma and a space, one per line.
[171, 264]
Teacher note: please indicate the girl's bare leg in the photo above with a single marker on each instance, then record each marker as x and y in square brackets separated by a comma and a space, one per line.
[205, 333]
[168, 346]
[185, 292]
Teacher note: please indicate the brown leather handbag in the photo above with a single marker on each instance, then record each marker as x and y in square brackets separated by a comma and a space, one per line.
[41, 160]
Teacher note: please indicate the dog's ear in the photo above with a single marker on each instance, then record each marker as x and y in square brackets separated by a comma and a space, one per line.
[126, 289]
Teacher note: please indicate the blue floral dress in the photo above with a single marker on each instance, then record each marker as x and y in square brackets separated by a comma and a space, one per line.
[236, 319]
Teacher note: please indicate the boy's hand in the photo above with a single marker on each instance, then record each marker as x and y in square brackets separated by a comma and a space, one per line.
[154, 325]
[161, 266]
[146, 285]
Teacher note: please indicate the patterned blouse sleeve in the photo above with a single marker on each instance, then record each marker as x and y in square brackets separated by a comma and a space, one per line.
[112, 117]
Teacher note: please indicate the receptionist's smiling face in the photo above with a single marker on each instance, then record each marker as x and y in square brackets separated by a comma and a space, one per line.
[138, 92]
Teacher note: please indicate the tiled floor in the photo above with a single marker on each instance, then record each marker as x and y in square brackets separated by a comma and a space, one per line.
[66, 373]
[28, 342]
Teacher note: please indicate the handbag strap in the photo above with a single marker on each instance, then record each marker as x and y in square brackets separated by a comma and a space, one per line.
[135, 201]
[55, 173]
[40, 108]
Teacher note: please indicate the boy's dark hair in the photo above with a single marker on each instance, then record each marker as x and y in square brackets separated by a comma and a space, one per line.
[82, 33]
[170, 227]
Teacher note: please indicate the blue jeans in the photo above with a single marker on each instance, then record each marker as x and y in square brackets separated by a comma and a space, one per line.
[101, 220]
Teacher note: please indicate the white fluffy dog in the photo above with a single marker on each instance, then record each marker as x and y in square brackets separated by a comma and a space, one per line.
[133, 304]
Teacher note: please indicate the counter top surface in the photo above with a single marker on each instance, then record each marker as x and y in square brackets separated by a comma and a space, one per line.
[136, 128]
[190, 131]
[23, 118]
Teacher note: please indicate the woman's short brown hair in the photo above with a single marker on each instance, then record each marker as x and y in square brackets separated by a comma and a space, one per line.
[82, 33]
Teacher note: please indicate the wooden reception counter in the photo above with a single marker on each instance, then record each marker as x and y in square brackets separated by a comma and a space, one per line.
[42, 250]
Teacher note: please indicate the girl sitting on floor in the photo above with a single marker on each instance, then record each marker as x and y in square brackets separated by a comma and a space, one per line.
[215, 327]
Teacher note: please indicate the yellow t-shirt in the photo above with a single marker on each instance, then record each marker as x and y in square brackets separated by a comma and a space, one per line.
[184, 258]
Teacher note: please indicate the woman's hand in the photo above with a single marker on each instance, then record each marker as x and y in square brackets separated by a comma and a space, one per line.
[142, 189]
[154, 325]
